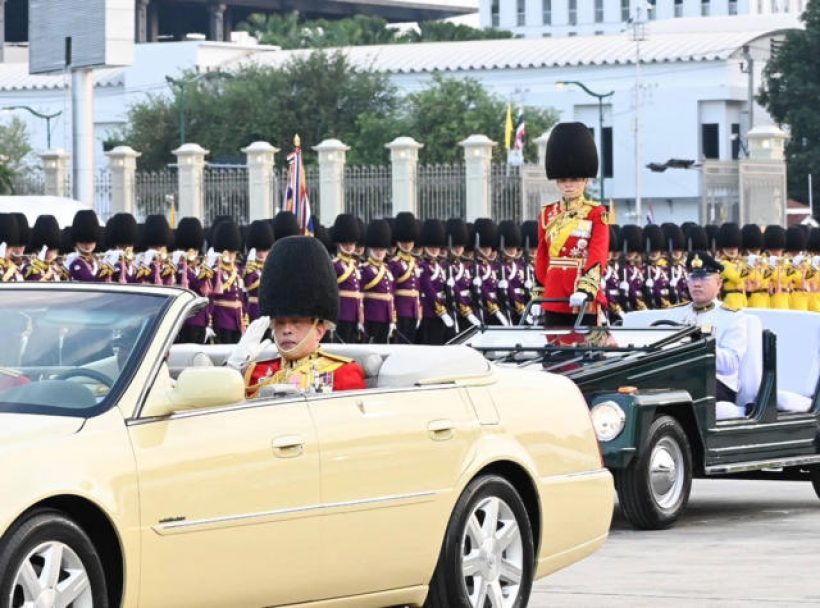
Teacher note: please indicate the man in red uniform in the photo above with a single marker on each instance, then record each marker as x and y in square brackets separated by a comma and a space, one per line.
[573, 235]
[299, 298]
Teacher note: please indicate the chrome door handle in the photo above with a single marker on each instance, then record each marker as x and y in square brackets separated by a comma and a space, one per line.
[441, 429]
[288, 446]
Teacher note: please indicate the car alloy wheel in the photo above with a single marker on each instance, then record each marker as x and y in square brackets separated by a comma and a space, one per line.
[492, 555]
[666, 472]
[52, 574]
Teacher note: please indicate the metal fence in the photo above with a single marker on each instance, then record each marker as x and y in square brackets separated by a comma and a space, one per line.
[102, 194]
[280, 187]
[442, 191]
[32, 183]
[226, 192]
[505, 192]
[156, 191]
[369, 191]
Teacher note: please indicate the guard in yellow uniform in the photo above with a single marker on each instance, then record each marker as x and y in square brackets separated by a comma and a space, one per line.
[797, 269]
[757, 279]
[729, 241]
[813, 276]
[775, 240]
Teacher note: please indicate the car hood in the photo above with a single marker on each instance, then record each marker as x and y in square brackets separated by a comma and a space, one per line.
[16, 428]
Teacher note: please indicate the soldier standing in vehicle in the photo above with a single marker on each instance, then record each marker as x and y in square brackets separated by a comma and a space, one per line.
[573, 233]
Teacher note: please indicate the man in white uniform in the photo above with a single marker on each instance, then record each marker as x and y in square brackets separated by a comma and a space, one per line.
[726, 324]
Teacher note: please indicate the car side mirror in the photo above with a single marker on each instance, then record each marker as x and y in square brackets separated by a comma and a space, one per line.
[198, 388]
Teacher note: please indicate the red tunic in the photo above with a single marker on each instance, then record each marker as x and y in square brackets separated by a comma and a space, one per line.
[347, 374]
[573, 247]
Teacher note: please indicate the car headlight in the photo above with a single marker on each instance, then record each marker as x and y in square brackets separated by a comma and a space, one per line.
[608, 420]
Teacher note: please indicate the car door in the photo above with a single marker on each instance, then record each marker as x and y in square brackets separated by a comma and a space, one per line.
[389, 461]
[228, 502]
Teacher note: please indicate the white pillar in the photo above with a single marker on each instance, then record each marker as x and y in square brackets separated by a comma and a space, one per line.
[478, 154]
[82, 122]
[404, 158]
[190, 173]
[541, 142]
[332, 159]
[260, 158]
[55, 169]
[123, 162]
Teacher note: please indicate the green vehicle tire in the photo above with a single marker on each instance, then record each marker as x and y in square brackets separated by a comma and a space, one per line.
[815, 480]
[654, 489]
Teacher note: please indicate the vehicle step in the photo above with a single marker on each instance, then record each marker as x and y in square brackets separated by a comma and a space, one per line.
[759, 465]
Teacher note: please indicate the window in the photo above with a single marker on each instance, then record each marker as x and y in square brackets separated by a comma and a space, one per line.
[599, 11]
[522, 13]
[546, 35]
[710, 144]
[733, 7]
[678, 8]
[573, 12]
[651, 7]
[494, 13]
[546, 12]
[735, 141]
[606, 153]
[599, 32]
[624, 10]
[705, 8]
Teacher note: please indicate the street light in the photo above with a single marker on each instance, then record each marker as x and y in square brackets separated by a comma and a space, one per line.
[182, 83]
[46, 117]
[600, 96]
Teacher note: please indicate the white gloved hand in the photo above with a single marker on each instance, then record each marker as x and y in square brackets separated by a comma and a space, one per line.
[3, 248]
[623, 286]
[477, 281]
[67, 261]
[177, 256]
[447, 319]
[502, 284]
[391, 330]
[43, 253]
[252, 255]
[473, 320]
[773, 261]
[210, 335]
[815, 262]
[674, 282]
[751, 260]
[250, 344]
[528, 285]
[649, 283]
[451, 282]
[797, 260]
[578, 299]
[502, 319]
[212, 258]
[148, 257]
[112, 256]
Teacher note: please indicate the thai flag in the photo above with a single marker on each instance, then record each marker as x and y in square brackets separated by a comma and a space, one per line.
[296, 196]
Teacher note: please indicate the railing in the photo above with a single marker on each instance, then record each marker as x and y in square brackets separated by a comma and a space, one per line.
[28, 183]
[226, 192]
[155, 192]
[368, 191]
[505, 192]
[102, 194]
[280, 187]
[441, 191]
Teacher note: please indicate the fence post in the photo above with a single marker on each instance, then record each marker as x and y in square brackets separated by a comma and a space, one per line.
[55, 170]
[404, 160]
[478, 155]
[541, 142]
[191, 174]
[332, 159]
[123, 161]
[260, 158]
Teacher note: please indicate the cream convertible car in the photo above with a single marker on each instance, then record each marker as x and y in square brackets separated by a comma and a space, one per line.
[133, 471]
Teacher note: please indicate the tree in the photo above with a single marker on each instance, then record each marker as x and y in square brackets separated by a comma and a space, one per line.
[15, 145]
[790, 93]
[446, 31]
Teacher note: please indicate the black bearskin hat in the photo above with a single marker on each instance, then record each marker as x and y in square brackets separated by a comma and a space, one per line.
[345, 229]
[378, 234]
[712, 231]
[653, 238]
[285, 224]
[813, 243]
[675, 240]
[510, 233]
[260, 235]
[86, 227]
[795, 239]
[23, 230]
[46, 231]
[470, 246]
[298, 280]
[157, 232]
[9, 234]
[696, 239]
[571, 152]
[752, 237]
[433, 234]
[190, 234]
[529, 234]
[487, 232]
[405, 227]
[632, 238]
[729, 235]
[322, 233]
[457, 233]
[614, 238]
[362, 227]
[121, 230]
[227, 236]
[774, 237]
[66, 241]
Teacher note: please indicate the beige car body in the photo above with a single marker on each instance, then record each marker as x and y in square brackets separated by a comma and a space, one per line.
[336, 499]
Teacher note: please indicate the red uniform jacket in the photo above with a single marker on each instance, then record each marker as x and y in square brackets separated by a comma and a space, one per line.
[347, 375]
[573, 246]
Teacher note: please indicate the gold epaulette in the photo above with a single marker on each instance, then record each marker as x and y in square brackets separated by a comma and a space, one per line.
[591, 203]
[334, 357]
[725, 306]
[679, 304]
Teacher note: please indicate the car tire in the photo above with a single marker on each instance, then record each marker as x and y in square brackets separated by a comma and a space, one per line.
[493, 566]
[815, 479]
[27, 550]
[654, 489]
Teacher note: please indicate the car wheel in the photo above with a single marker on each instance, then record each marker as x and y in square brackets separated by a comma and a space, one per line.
[815, 480]
[47, 560]
[654, 489]
[488, 554]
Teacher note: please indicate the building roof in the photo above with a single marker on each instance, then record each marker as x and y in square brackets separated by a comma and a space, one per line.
[15, 77]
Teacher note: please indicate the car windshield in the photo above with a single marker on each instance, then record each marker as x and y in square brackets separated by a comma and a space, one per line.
[71, 352]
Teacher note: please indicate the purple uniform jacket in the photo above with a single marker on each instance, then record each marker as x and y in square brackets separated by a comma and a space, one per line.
[677, 282]
[84, 269]
[252, 276]
[462, 287]
[350, 293]
[377, 289]
[189, 277]
[159, 272]
[124, 272]
[45, 272]
[433, 280]
[657, 282]
[406, 272]
[611, 283]
[227, 299]
[489, 286]
[513, 271]
[634, 278]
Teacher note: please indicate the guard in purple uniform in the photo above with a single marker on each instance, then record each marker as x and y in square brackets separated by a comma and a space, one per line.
[611, 280]
[510, 270]
[9, 272]
[259, 242]
[43, 266]
[459, 277]
[657, 268]
[228, 294]
[406, 271]
[155, 266]
[485, 279]
[345, 233]
[121, 235]
[18, 250]
[676, 242]
[435, 319]
[86, 233]
[632, 275]
[529, 232]
[377, 284]
[188, 242]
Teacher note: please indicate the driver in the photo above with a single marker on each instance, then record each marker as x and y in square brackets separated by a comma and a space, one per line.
[299, 298]
[724, 321]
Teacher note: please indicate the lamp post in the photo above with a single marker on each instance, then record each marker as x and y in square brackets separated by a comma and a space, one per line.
[46, 117]
[182, 83]
[600, 97]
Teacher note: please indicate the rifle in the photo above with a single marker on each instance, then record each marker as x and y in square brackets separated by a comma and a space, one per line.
[673, 290]
[528, 282]
[475, 284]
[503, 294]
[449, 289]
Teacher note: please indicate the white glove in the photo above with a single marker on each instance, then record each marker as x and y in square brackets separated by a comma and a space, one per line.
[448, 320]
[473, 320]
[751, 260]
[210, 335]
[477, 281]
[773, 261]
[502, 318]
[578, 299]
[623, 286]
[528, 285]
[502, 284]
[43, 253]
[649, 283]
[252, 254]
[391, 331]
[212, 258]
[815, 262]
[112, 256]
[361, 329]
[148, 257]
[3, 250]
[451, 282]
[177, 256]
[797, 260]
[250, 344]
[674, 282]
